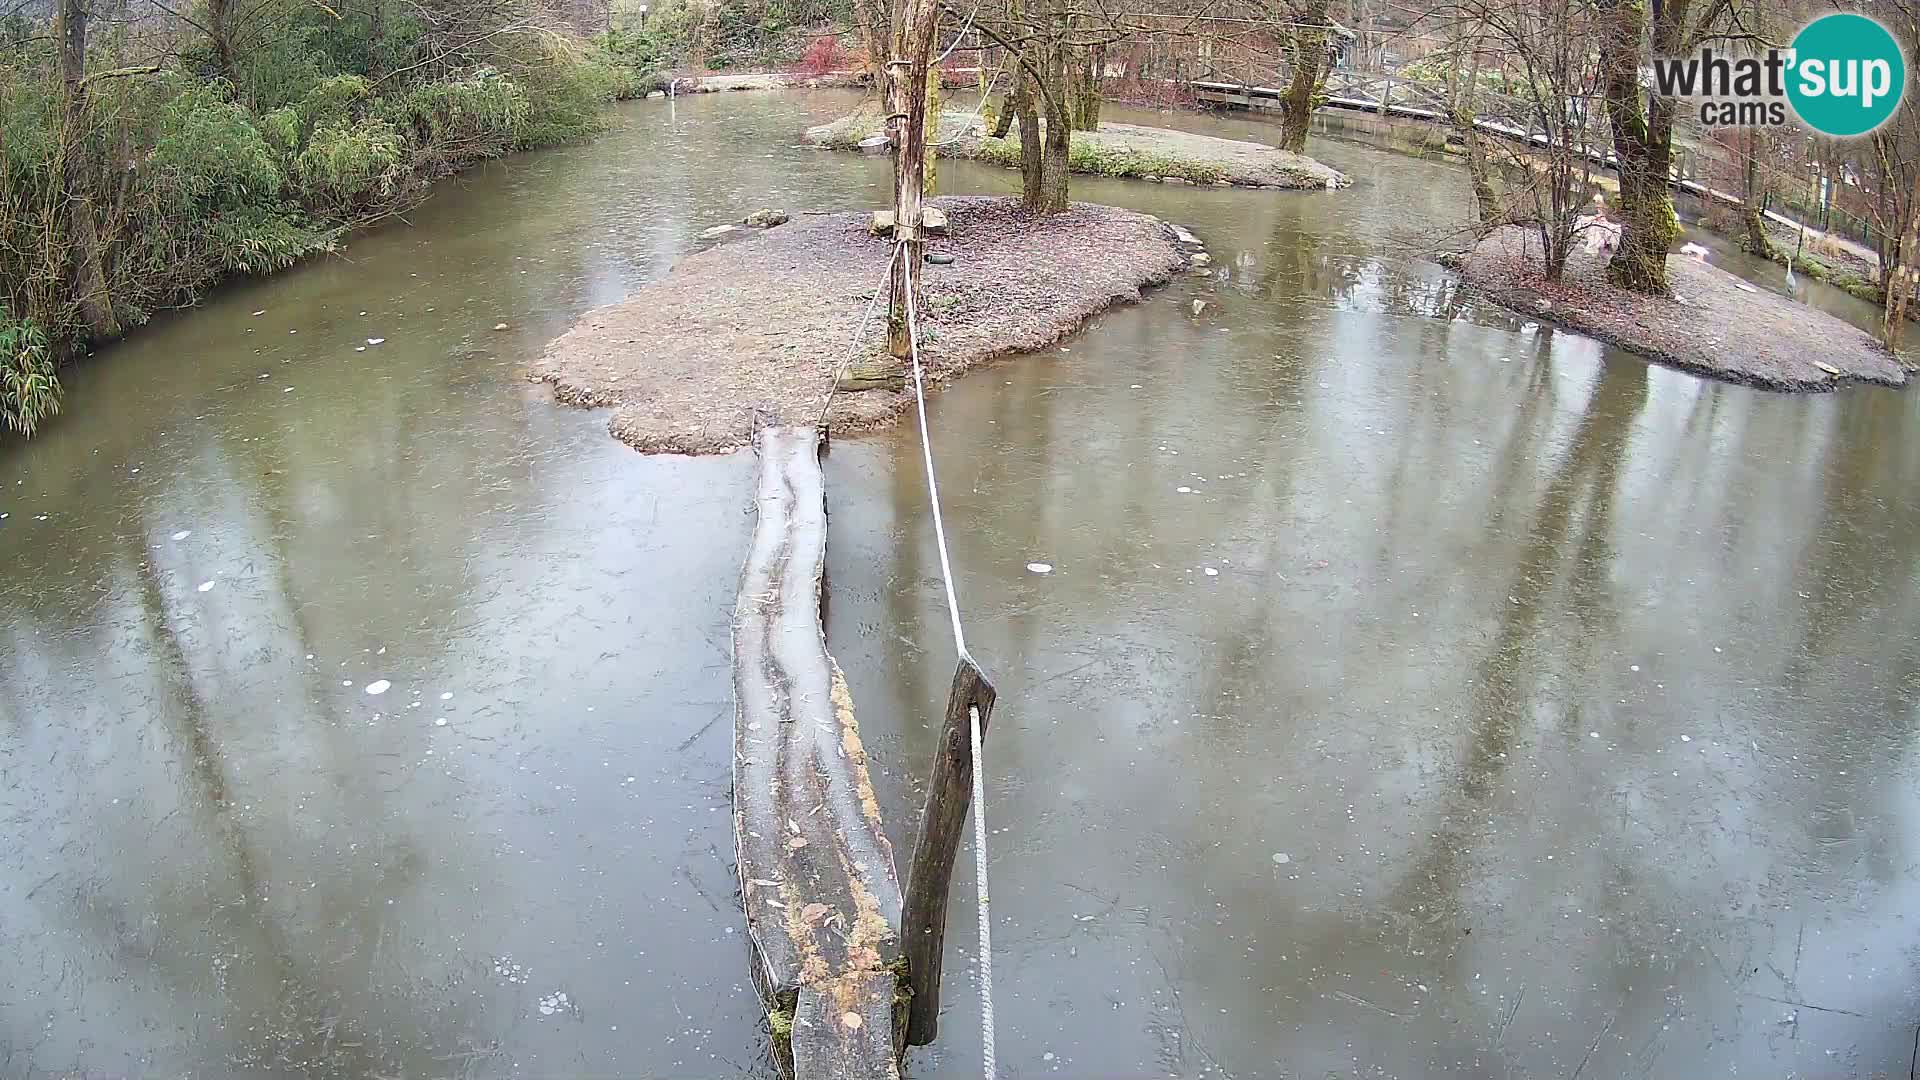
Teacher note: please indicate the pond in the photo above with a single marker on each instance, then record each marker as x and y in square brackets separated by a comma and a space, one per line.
[1416, 690]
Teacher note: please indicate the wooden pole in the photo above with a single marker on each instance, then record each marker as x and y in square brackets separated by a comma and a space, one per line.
[949, 791]
[907, 113]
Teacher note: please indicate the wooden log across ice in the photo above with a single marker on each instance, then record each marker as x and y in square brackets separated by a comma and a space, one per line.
[816, 871]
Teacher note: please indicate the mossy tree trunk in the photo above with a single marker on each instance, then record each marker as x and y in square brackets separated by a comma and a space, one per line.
[1464, 116]
[1904, 275]
[1642, 145]
[1032, 153]
[1059, 124]
[1753, 198]
[220, 35]
[876, 26]
[1309, 60]
[78, 228]
[930, 132]
[1087, 71]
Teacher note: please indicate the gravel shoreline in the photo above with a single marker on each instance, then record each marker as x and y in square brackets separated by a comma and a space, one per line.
[1714, 325]
[1128, 151]
[752, 332]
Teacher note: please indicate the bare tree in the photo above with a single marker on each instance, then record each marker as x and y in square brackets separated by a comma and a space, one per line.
[1547, 69]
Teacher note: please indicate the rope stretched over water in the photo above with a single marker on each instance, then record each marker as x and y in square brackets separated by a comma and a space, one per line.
[973, 712]
[858, 335]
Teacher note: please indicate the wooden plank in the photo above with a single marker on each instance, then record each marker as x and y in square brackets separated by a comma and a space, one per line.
[816, 871]
[949, 791]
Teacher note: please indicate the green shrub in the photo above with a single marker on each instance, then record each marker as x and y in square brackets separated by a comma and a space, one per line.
[29, 390]
[209, 149]
[261, 240]
[475, 116]
[288, 61]
[566, 101]
[347, 163]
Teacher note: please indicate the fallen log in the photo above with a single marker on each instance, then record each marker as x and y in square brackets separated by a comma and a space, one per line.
[816, 871]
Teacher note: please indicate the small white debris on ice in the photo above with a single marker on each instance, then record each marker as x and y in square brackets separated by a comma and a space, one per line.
[183, 534]
[1281, 858]
[206, 586]
[1040, 567]
[378, 686]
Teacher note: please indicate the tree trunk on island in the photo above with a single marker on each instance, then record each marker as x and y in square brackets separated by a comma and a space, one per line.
[907, 78]
[1001, 105]
[1003, 112]
[876, 27]
[1086, 88]
[1753, 198]
[1643, 147]
[1032, 153]
[1309, 59]
[1463, 116]
[1059, 125]
[1905, 274]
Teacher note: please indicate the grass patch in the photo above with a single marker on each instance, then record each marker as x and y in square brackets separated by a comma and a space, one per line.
[1092, 158]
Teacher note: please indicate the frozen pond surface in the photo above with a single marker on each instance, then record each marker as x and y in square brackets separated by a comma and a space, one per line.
[1388, 687]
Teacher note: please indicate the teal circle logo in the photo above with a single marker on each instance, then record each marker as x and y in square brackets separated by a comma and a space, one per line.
[1848, 74]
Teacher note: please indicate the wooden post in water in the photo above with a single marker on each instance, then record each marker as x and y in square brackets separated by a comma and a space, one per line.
[949, 790]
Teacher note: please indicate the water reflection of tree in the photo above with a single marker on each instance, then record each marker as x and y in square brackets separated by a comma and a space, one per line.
[286, 997]
[1570, 522]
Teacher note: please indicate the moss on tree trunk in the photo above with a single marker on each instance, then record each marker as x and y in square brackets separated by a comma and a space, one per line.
[1643, 147]
[1309, 59]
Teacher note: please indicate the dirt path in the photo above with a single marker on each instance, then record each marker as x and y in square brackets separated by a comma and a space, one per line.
[752, 332]
[1714, 324]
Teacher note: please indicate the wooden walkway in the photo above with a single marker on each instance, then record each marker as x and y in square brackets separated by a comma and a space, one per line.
[816, 870]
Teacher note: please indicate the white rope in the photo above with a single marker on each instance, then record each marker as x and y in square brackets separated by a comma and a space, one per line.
[961, 36]
[926, 452]
[977, 110]
[973, 711]
[853, 346]
[980, 876]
